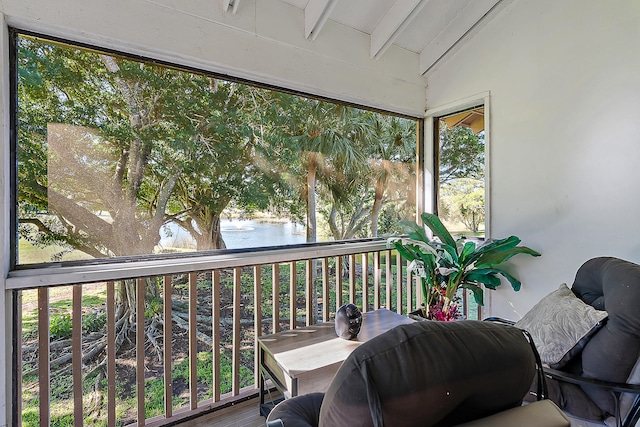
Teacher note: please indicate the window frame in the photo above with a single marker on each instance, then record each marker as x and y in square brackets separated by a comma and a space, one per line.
[15, 32]
[432, 142]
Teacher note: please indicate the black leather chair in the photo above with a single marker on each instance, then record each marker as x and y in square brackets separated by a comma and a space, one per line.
[429, 374]
[596, 386]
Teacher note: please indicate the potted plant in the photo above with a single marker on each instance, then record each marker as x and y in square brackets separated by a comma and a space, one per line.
[445, 265]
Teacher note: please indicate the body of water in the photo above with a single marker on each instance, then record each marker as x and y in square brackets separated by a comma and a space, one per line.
[238, 234]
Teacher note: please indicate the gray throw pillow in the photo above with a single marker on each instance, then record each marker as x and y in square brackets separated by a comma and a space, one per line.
[561, 324]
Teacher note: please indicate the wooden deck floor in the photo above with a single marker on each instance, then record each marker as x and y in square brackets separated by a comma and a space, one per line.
[243, 414]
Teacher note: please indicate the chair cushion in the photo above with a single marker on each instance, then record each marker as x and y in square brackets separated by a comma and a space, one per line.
[542, 413]
[561, 324]
[431, 374]
[613, 285]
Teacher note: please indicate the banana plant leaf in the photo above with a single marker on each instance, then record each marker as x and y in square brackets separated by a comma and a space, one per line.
[437, 227]
[501, 254]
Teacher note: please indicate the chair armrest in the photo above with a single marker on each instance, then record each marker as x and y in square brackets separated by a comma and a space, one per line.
[577, 379]
[499, 320]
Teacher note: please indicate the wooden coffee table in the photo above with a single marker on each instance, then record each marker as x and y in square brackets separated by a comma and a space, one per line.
[305, 360]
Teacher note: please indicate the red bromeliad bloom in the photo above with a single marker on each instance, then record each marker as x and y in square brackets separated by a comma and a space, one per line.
[436, 313]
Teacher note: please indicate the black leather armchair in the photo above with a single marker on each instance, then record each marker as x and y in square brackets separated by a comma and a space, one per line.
[599, 385]
[429, 374]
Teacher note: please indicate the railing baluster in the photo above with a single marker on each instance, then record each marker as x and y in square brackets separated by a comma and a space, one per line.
[257, 319]
[389, 280]
[275, 298]
[338, 282]
[111, 354]
[43, 355]
[140, 350]
[308, 298]
[193, 341]
[365, 282]
[393, 283]
[377, 278]
[465, 304]
[235, 369]
[215, 331]
[420, 299]
[409, 292]
[399, 282]
[292, 296]
[325, 290]
[167, 350]
[352, 278]
[76, 351]
[17, 416]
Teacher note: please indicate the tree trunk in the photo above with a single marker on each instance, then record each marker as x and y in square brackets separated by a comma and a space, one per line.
[377, 207]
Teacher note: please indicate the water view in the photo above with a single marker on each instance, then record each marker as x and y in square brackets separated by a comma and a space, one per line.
[238, 234]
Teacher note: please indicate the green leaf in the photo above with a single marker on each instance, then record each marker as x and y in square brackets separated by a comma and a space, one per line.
[467, 250]
[439, 230]
[501, 254]
[406, 252]
[485, 276]
[414, 231]
[478, 293]
[515, 283]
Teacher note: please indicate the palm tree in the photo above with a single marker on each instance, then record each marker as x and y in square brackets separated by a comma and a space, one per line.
[390, 151]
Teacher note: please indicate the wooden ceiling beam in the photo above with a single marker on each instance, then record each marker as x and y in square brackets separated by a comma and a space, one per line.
[393, 23]
[454, 32]
[230, 5]
[316, 14]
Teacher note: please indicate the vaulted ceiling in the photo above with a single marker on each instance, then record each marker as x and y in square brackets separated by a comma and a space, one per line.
[428, 28]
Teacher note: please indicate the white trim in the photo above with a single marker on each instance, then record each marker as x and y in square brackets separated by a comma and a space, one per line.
[6, 315]
[484, 99]
[60, 275]
[459, 105]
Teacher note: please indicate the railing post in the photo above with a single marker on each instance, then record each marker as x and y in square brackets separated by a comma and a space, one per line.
[43, 355]
[365, 282]
[325, 290]
[292, 295]
[338, 282]
[140, 288]
[235, 367]
[275, 298]
[76, 359]
[167, 291]
[377, 279]
[309, 297]
[111, 355]
[193, 341]
[352, 278]
[215, 332]
[257, 319]
[389, 280]
[399, 283]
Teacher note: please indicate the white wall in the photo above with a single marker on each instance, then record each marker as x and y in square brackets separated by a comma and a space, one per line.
[565, 133]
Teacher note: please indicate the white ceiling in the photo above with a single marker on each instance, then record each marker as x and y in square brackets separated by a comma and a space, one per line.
[428, 28]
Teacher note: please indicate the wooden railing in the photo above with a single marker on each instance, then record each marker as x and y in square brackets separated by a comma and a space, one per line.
[95, 349]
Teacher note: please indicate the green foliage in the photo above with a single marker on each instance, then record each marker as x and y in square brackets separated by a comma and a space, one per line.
[60, 325]
[93, 321]
[100, 134]
[444, 264]
[461, 153]
[463, 200]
